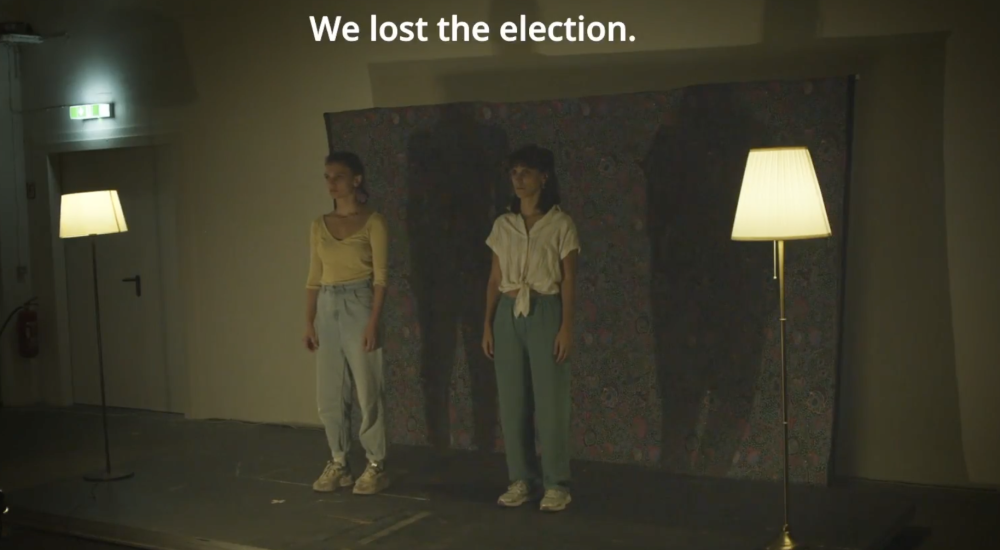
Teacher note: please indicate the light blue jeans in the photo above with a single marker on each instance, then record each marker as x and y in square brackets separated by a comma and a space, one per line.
[342, 313]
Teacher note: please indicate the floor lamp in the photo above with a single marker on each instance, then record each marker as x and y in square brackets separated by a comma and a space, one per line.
[89, 215]
[780, 200]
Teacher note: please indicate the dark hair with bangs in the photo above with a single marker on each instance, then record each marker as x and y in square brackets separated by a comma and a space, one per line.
[543, 160]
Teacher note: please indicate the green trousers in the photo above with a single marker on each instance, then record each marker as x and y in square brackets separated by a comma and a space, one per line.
[534, 391]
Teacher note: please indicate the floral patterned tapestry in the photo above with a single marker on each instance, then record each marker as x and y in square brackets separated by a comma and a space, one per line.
[677, 357]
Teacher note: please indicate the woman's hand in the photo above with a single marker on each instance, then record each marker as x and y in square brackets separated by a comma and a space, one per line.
[488, 341]
[370, 342]
[564, 344]
[310, 339]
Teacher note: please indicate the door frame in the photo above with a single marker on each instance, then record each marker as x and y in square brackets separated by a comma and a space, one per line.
[173, 315]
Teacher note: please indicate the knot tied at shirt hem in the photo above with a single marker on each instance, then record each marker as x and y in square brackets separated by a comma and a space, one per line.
[522, 303]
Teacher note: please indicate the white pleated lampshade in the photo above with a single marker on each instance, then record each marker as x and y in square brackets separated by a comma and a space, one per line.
[91, 213]
[780, 199]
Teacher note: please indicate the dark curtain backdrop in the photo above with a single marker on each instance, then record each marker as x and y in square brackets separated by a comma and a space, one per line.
[677, 358]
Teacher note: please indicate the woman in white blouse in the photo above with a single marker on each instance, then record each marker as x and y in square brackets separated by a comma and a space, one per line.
[528, 330]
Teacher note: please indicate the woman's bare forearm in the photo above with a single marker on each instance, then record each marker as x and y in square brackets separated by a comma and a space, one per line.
[492, 291]
[568, 294]
[567, 290]
[311, 295]
[378, 299]
[492, 297]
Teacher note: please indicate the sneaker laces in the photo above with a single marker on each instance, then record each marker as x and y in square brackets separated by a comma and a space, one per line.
[332, 468]
[371, 471]
[519, 487]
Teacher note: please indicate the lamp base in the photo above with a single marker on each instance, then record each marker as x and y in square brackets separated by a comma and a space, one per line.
[784, 541]
[106, 477]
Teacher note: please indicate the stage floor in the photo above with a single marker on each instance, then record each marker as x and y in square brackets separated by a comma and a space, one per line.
[220, 484]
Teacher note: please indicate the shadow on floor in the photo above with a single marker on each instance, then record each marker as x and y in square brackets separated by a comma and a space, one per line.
[26, 539]
[910, 539]
[249, 485]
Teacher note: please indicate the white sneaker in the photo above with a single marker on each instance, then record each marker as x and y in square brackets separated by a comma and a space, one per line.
[373, 481]
[517, 494]
[334, 475]
[555, 500]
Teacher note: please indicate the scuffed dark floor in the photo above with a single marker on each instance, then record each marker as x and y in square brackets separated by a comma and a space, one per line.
[209, 482]
[27, 539]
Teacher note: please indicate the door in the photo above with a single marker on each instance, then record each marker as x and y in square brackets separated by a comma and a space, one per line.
[132, 322]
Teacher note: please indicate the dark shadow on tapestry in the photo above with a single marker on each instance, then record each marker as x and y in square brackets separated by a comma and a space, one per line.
[677, 358]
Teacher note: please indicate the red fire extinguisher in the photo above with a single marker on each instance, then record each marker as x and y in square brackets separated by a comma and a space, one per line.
[27, 332]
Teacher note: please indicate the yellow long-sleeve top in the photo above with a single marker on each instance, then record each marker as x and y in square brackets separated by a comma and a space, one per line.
[363, 255]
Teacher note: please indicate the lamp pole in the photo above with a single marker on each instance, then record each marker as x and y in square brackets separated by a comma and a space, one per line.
[108, 474]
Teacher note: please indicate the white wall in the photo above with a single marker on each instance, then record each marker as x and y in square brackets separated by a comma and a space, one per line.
[972, 202]
[16, 374]
[246, 93]
[898, 386]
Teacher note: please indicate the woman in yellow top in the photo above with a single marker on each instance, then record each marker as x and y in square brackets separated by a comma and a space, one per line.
[345, 291]
[528, 329]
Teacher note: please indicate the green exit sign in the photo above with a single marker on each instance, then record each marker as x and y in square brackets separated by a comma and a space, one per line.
[87, 112]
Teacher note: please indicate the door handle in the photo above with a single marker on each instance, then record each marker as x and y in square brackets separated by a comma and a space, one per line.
[138, 284]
